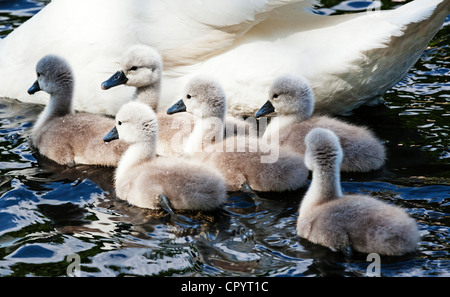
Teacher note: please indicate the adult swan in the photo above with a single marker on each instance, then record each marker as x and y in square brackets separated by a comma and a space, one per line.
[245, 44]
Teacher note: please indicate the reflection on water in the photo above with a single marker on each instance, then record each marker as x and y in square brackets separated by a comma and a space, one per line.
[48, 212]
[14, 13]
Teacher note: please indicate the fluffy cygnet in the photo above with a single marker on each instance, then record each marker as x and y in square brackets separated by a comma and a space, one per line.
[338, 221]
[142, 178]
[62, 135]
[142, 68]
[292, 98]
[240, 159]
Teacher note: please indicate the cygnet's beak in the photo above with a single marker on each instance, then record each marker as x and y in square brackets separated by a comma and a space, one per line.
[34, 88]
[118, 78]
[177, 107]
[112, 135]
[266, 109]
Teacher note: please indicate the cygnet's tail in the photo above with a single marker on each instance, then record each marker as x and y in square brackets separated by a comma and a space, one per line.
[363, 155]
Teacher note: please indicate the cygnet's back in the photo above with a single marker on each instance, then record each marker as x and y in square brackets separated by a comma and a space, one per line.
[240, 159]
[292, 98]
[338, 221]
[59, 133]
[141, 177]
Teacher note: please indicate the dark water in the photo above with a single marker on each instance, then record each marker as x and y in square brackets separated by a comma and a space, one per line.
[48, 212]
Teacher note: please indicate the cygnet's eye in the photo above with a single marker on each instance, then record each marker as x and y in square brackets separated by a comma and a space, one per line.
[38, 74]
[188, 96]
[275, 96]
[134, 68]
[119, 123]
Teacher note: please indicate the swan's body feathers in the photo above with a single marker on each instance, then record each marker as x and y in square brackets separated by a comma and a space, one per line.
[349, 59]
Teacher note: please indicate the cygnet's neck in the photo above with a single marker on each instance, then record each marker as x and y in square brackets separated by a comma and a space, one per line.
[149, 94]
[207, 131]
[277, 124]
[325, 186]
[59, 105]
[300, 116]
[300, 111]
[136, 153]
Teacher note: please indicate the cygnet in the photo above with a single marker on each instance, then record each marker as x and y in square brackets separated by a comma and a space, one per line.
[61, 135]
[348, 222]
[291, 97]
[142, 179]
[241, 159]
[142, 68]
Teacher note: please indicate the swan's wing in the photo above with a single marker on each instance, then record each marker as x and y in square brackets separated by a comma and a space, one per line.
[198, 34]
[348, 59]
[222, 14]
[376, 52]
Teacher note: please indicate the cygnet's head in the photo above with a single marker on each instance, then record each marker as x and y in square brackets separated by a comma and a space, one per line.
[323, 150]
[135, 122]
[204, 97]
[54, 75]
[289, 94]
[141, 66]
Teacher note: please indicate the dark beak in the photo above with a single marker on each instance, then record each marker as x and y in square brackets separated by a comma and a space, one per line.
[117, 79]
[34, 88]
[266, 109]
[177, 107]
[112, 135]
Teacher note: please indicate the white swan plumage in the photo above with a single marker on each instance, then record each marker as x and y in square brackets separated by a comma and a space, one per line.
[349, 59]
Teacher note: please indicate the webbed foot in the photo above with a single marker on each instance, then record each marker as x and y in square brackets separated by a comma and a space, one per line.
[165, 204]
[245, 188]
